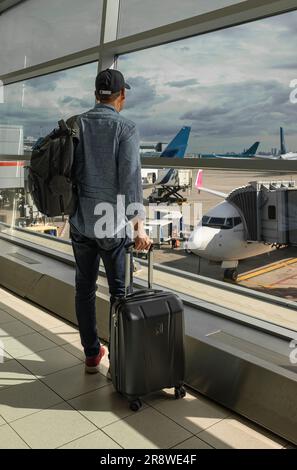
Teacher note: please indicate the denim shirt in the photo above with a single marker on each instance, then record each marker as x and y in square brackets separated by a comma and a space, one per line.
[106, 165]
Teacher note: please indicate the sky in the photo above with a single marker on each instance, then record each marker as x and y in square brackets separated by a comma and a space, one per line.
[136, 15]
[232, 87]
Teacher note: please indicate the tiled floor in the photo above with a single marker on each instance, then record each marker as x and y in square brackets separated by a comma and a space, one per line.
[46, 400]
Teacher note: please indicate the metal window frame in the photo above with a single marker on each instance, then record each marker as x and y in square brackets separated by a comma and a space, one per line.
[110, 46]
[225, 164]
[7, 4]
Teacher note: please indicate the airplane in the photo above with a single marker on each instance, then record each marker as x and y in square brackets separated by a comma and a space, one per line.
[251, 152]
[220, 235]
[284, 154]
[175, 149]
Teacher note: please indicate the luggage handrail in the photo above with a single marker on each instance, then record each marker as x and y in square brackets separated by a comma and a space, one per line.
[129, 270]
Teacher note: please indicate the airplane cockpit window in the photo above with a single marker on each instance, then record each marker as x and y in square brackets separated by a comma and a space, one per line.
[237, 221]
[229, 223]
[205, 221]
[217, 222]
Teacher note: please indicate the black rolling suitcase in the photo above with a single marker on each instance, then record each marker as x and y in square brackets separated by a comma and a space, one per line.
[147, 341]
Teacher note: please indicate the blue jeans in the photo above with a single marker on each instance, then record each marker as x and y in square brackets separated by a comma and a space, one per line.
[87, 253]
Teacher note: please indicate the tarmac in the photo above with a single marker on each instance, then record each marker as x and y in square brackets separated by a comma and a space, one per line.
[274, 272]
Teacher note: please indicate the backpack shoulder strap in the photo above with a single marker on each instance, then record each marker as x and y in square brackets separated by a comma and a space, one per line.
[72, 123]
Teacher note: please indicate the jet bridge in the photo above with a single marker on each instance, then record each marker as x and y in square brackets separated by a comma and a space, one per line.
[268, 211]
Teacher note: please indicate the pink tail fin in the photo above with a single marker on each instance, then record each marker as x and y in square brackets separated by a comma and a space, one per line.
[199, 180]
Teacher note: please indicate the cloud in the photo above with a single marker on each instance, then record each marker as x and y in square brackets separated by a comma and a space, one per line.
[142, 95]
[285, 66]
[38, 104]
[232, 86]
[183, 83]
[163, 133]
[203, 114]
[77, 102]
[246, 109]
[46, 83]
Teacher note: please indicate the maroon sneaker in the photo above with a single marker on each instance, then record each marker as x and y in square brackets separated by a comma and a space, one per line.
[92, 363]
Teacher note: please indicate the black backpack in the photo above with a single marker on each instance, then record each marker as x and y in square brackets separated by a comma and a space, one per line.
[50, 172]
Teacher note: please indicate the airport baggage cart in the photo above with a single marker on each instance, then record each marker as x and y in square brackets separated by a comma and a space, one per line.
[147, 340]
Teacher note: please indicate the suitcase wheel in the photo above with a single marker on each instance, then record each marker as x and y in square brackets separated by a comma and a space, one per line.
[180, 392]
[135, 405]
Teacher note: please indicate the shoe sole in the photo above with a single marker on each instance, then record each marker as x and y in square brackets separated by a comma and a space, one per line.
[94, 369]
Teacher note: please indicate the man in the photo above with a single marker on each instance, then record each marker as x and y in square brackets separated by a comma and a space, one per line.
[107, 164]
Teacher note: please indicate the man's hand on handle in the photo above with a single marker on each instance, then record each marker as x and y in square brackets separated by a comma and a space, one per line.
[142, 240]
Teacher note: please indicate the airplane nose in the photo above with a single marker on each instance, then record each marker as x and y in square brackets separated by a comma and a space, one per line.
[197, 241]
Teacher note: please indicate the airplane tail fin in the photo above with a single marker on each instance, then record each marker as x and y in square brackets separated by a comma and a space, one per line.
[283, 147]
[199, 180]
[178, 146]
[251, 152]
[199, 186]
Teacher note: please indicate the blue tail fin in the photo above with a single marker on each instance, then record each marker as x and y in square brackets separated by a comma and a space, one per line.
[177, 148]
[283, 147]
[251, 152]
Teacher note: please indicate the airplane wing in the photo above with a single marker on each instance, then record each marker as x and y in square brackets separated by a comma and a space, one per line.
[212, 191]
[199, 187]
[267, 157]
[225, 157]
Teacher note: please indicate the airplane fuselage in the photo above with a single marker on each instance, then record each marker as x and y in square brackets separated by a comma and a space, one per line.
[288, 156]
[220, 236]
[225, 155]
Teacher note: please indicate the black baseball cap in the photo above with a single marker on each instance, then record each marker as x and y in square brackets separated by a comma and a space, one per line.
[110, 81]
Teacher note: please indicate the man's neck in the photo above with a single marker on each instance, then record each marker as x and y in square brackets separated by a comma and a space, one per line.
[114, 105]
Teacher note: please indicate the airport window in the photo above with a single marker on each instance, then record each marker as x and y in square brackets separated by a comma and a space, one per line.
[37, 31]
[210, 84]
[221, 208]
[194, 104]
[137, 16]
[259, 248]
[31, 110]
[232, 88]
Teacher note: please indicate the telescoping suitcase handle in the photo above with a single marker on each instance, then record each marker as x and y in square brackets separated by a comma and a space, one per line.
[129, 271]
